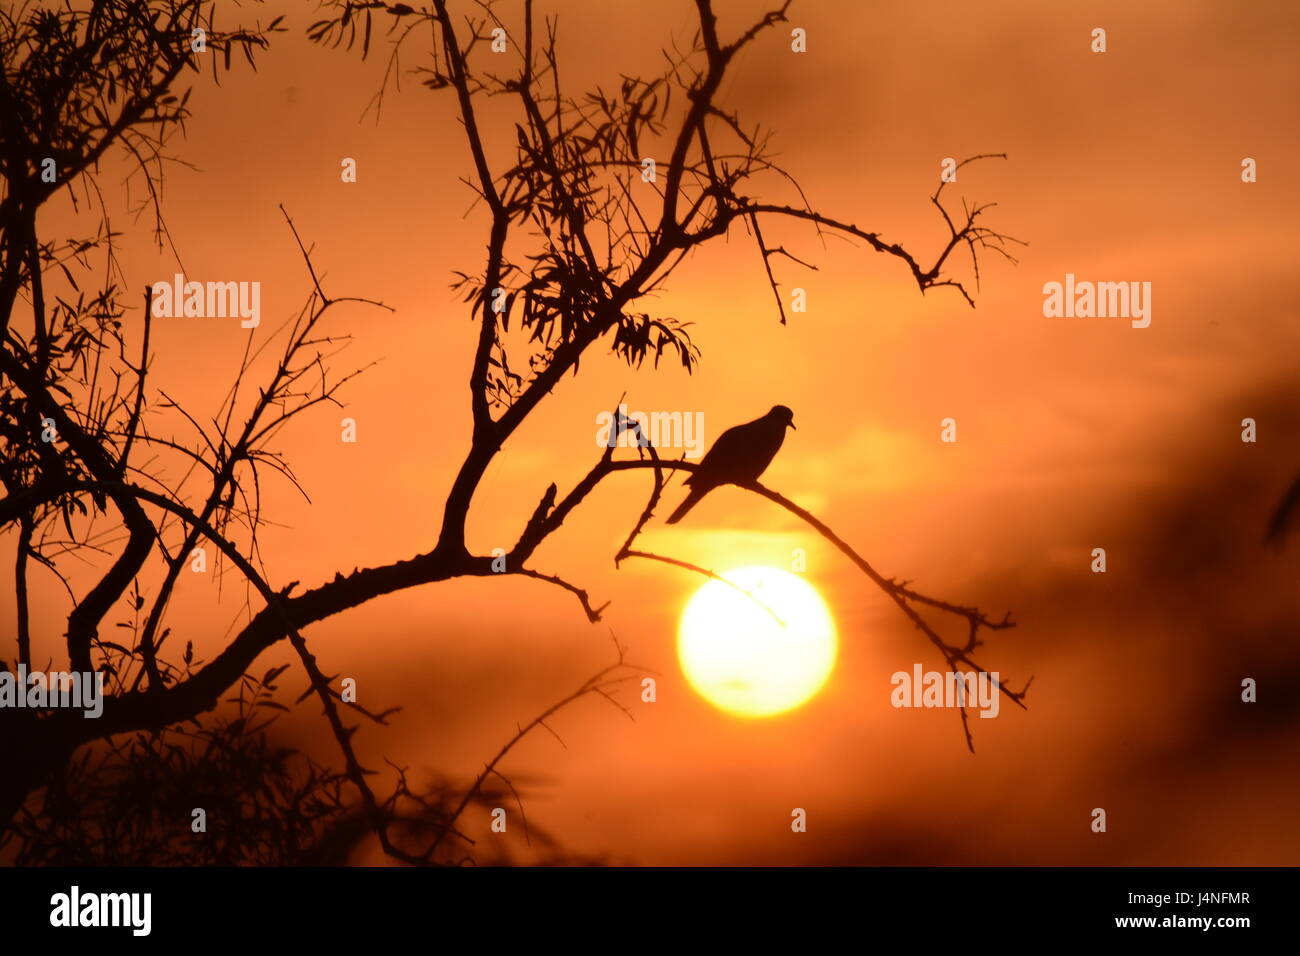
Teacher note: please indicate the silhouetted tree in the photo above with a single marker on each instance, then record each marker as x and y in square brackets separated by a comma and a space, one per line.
[581, 228]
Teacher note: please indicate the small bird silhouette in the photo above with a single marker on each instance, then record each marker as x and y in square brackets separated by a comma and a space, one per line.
[739, 456]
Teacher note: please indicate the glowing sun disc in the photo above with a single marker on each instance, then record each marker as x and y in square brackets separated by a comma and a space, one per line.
[760, 648]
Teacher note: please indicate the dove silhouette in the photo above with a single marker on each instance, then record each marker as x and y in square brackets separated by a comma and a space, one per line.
[739, 456]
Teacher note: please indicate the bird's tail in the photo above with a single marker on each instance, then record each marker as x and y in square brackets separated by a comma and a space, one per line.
[691, 501]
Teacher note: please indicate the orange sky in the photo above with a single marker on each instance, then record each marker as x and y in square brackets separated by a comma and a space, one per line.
[1073, 434]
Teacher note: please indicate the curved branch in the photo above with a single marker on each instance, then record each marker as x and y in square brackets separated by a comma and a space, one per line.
[593, 614]
[900, 592]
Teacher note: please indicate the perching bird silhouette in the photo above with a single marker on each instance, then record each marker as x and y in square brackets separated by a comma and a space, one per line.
[739, 456]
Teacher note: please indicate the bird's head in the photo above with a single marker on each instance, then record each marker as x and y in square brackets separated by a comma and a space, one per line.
[782, 414]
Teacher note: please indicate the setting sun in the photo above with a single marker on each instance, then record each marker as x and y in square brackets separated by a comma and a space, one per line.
[760, 647]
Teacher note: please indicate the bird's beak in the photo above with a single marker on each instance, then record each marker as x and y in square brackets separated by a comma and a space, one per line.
[792, 424]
